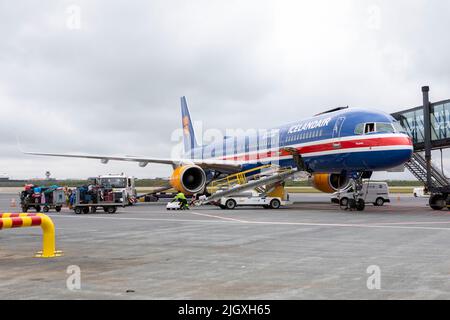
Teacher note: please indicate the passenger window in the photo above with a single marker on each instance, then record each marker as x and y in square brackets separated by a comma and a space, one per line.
[370, 127]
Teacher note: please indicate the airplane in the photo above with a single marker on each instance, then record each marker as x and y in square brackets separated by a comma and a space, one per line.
[334, 147]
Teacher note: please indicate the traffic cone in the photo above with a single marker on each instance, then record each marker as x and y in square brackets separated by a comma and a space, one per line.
[13, 203]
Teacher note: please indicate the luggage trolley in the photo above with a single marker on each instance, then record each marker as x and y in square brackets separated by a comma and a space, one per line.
[91, 202]
[54, 200]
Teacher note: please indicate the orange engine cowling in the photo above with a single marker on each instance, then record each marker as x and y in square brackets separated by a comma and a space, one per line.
[329, 182]
[188, 179]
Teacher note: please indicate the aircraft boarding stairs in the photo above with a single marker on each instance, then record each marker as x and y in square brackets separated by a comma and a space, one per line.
[264, 182]
[418, 167]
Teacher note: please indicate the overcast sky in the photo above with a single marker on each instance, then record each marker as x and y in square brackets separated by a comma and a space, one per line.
[105, 77]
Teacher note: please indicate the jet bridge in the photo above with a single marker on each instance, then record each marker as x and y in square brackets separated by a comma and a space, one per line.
[429, 128]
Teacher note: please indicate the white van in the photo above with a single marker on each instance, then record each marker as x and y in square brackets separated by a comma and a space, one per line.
[372, 192]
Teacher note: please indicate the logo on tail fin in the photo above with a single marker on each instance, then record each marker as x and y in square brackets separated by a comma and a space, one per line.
[186, 124]
[190, 142]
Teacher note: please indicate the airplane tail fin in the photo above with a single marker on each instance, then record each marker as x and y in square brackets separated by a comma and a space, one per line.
[188, 130]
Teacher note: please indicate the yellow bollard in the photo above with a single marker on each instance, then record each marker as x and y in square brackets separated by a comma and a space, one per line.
[19, 220]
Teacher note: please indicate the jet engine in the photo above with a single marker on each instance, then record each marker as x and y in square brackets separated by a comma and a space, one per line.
[188, 179]
[329, 182]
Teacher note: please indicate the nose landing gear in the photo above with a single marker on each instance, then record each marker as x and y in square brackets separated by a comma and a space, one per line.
[357, 202]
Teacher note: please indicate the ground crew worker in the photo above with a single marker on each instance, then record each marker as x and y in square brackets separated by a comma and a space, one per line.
[182, 199]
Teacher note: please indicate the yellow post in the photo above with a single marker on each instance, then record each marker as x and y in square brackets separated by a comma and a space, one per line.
[14, 220]
[48, 238]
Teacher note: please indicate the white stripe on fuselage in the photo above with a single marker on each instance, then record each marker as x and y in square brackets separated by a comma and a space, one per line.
[328, 152]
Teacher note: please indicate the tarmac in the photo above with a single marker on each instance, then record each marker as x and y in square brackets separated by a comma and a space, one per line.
[310, 250]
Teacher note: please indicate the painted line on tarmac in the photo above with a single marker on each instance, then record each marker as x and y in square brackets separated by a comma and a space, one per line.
[410, 223]
[139, 219]
[304, 224]
[217, 217]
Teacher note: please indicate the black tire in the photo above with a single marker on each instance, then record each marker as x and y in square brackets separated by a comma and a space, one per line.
[112, 210]
[230, 204]
[379, 202]
[46, 209]
[436, 202]
[360, 205]
[37, 208]
[105, 209]
[78, 210]
[93, 210]
[58, 209]
[343, 202]
[86, 210]
[275, 204]
[24, 209]
[351, 204]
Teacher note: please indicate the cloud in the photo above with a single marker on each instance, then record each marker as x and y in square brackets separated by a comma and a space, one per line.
[113, 86]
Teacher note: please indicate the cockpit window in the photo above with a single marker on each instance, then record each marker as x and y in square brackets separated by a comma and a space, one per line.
[370, 127]
[398, 127]
[385, 128]
[378, 127]
[359, 128]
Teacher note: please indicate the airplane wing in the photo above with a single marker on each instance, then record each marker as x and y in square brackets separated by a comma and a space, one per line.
[225, 166]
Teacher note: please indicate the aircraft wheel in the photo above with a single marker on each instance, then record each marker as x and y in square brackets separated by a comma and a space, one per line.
[360, 205]
[343, 202]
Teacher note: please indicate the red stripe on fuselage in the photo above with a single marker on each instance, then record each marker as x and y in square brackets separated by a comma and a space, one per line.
[329, 146]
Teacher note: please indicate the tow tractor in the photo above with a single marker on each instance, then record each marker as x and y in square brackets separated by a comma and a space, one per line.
[121, 185]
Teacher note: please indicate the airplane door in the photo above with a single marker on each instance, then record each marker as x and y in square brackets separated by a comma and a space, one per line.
[337, 132]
